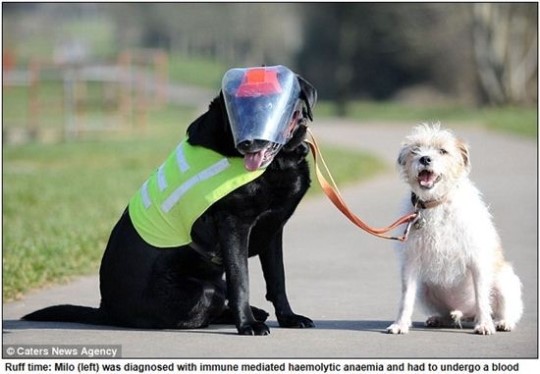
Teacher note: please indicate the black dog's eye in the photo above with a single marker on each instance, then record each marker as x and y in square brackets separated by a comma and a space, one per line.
[443, 151]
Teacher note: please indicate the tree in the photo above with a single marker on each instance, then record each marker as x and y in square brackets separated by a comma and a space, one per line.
[234, 33]
[367, 50]
[506, 52]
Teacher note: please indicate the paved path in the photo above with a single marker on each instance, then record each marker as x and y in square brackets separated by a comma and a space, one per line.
[345, 280]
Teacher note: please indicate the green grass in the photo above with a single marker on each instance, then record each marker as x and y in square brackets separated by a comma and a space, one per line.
[196, 71]
[16, 106]
[346, 166]
[514, 120]
[61, 201]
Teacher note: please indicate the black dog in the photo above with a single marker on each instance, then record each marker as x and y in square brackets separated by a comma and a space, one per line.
[148, 287]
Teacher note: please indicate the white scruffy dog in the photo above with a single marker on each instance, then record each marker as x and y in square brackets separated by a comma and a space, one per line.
[453, 258]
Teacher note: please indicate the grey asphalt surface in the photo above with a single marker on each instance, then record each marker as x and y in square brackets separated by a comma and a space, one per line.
[342, 278]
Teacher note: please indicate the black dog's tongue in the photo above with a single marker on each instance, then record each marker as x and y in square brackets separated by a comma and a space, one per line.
[253, 161]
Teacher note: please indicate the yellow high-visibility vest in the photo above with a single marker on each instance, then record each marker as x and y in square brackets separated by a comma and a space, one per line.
[181, 190]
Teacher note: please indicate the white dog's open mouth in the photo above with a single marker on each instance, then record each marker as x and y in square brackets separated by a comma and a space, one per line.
[427, 179]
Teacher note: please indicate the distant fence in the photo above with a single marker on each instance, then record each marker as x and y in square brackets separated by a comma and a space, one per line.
[50, 102]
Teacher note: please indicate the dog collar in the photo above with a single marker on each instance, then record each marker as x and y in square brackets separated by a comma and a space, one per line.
[421, 204]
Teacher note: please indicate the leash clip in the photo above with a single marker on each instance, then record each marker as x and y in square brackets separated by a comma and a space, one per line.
[418, 222]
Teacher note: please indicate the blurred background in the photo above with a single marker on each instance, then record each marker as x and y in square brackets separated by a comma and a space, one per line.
[87, 65]
[95, 95]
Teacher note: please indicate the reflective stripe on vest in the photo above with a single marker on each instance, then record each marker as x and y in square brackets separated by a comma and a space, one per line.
[181, 189]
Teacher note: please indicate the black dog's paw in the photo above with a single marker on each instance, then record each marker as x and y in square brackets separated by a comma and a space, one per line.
[254, 328]
[295, 321]
[259, 314]
[227, 317]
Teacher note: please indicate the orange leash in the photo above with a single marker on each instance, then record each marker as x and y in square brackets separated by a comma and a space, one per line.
[331, 190]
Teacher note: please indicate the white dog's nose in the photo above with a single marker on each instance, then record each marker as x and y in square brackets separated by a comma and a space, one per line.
[425, 160]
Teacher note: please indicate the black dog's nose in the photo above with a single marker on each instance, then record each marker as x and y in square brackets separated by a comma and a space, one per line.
[425, 160]
[245, 146]
[249, 146]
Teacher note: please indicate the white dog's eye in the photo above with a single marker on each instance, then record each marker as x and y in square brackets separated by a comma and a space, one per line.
[443, 151]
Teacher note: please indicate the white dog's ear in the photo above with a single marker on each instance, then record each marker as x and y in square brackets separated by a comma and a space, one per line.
[403, 155]
[464, 150]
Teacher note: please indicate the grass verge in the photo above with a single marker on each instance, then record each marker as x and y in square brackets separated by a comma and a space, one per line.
[514, 120]
[61, 201]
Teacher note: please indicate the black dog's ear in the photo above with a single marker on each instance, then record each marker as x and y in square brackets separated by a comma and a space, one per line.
[223, 109]
[308, 94]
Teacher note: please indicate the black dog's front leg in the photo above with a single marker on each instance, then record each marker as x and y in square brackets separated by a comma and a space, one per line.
[234, 240]
[274, 275]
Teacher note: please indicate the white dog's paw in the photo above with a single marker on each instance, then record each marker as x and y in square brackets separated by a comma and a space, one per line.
[398, 328]
[503, 325]
[485, 328]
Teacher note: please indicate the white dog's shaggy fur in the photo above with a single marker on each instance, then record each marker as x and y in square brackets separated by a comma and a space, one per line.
[453, 260]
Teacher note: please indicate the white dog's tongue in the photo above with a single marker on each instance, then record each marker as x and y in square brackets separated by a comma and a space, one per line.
[426, 178]
[253, 161]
